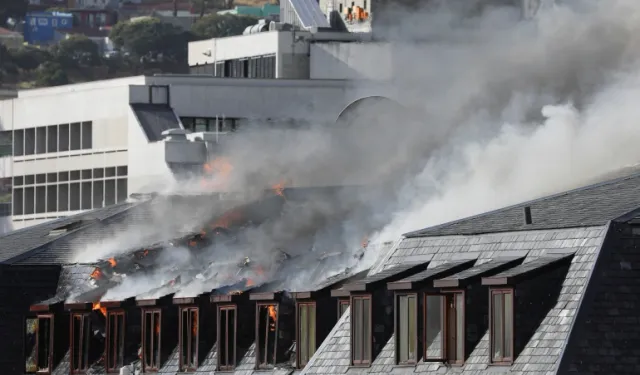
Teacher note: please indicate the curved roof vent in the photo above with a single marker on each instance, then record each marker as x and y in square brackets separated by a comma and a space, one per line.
[260, 27]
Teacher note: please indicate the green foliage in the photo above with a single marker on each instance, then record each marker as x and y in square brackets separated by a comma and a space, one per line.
[222, 25]
[30, 58]
[51, 74]
[150, 38]
[78, 50]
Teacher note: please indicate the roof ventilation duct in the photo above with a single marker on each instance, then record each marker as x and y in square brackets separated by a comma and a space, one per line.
[527, 215]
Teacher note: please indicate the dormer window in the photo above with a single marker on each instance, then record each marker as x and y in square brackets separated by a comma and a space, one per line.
[39, 344]
[189, 331]
[444, 327]
[227, 328]
[266, 336]
[306, 332]
[361, 324]
[407, 328]
[151, 330]
[115, 340]
[502, 324]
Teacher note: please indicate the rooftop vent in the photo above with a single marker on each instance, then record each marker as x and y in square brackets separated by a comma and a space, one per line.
[63, 229]
[527, 215]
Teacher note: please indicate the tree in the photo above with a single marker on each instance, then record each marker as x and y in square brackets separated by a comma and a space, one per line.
[151, 40]
[222, 25]
[51, 74]
[77, 50]
[29, 58]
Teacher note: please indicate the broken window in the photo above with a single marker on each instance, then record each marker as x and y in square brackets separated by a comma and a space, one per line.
[38, 344]
[361, 340]
[267, 334]
[188, 338]
[151, 342]
[80, 338]
[343, 305]
[226, 337]
[501, 326]
[434, 327]
[306, 346]
[407, 328]
[115, 340]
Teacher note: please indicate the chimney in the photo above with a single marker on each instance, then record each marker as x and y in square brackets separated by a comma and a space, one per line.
[527, 215]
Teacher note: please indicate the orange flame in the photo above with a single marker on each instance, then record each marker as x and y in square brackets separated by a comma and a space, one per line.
[227, 219]
[220, 168]
[234, 292]
[271, 310]
[259, 270]
[157, 328]
[279, 189]
[192, 243]
[194, 323]
[96, 274]
[365, 242]
[112, 262]
[249, 283]
[103, 310]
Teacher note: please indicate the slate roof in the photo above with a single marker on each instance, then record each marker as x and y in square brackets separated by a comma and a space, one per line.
[541, 354]
[587, 206]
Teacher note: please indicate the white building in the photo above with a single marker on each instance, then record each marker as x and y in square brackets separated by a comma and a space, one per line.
[83, 146]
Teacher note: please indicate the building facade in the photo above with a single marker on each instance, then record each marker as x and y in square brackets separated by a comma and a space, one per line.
[91, 145]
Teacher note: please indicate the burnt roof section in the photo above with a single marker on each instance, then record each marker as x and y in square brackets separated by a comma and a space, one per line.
[592, 205]
[528, 270]
[423, 278]
[73, 280]
[466, 277]
[387, 275]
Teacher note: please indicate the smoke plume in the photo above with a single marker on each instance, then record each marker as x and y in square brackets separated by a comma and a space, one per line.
[494, 110]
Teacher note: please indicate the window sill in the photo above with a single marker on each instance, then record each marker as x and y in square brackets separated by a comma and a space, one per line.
[405, 365]
[501, 364]
[364, 365]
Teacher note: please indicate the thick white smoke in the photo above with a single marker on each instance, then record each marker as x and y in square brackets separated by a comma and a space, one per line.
[578, 65]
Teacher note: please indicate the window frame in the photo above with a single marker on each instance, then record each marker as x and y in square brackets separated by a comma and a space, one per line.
[230, 363]
[396, 320]
[275, 343]
[452, 294]
[85, 345]
[365, 362]
[191, 366]
[121, 336]
[308, 304]
[151, 312]
[49, 369]
[506, 361]
[343, 301]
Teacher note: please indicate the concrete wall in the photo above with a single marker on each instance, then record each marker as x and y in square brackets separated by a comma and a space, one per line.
[336, 60]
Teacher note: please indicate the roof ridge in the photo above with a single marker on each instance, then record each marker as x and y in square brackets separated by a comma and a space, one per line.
[421, 232]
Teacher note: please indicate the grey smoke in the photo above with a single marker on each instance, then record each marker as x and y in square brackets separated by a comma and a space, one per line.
[497, 110]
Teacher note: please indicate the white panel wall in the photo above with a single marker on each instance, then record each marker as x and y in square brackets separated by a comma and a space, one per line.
[234, 47]
[260, 99]
[350, 61]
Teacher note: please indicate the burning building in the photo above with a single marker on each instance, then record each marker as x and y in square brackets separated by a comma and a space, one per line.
[514, 290]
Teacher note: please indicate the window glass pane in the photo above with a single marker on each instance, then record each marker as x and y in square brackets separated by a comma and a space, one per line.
[460, 337]
[403, 328]
[508, 325]
[413, 329]
[184, 342]
[44, 342]
[366, 329]
[194, 338]
[497, 325]
[148, 334]
[304, 338]
[30, 347]
[357, 330]
[434, 326]
[312, 331]
[223, 341]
